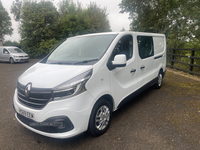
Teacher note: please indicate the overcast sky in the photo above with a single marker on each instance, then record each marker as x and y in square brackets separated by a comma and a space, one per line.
[117, 20]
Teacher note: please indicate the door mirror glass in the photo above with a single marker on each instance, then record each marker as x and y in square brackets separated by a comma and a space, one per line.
[119, 60]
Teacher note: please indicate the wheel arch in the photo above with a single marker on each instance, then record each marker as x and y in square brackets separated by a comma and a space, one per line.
[162, 71]
[12, 59]
[109, 98]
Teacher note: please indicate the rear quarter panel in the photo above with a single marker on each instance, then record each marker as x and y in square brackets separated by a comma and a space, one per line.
[159, 53]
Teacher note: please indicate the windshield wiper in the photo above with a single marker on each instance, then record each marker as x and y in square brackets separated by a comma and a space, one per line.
[85, 61]
[61, 63]
[56, 63]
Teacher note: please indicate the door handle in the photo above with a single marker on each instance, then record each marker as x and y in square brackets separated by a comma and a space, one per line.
[142, 67]
[133, 70]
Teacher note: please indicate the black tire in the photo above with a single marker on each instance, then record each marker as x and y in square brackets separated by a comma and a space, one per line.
[12, 61]
[158, 84]
[98, 125]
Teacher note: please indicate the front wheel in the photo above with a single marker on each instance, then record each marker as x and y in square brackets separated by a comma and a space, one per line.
[12, 61]
[100, 118]
[159, 81]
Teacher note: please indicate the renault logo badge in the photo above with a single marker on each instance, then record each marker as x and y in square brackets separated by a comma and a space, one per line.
[27, 89]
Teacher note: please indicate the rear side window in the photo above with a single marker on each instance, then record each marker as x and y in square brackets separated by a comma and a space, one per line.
[124, 46]
[145, 46]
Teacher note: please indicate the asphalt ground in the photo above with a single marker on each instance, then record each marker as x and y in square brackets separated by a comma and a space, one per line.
[164, 119]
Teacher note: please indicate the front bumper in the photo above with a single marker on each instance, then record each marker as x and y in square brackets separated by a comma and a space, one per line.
[21, 59]
[75, 110]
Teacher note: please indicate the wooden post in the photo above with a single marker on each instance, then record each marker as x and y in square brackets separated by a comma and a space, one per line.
[192, 60]
[173, 52]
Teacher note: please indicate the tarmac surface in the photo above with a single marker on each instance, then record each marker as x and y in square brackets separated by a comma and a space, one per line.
[164, 119]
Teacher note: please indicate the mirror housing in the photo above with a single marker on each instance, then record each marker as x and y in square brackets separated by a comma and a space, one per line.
[119, 60]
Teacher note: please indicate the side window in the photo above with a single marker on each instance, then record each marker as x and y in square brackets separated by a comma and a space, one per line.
[5, 51]
[124, 46]
[145, 46]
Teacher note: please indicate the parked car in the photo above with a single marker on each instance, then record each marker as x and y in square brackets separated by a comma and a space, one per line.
[79, 84]
[13, 54]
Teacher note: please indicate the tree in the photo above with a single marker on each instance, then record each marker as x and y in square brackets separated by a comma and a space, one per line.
[42, 26]
[123, 29]
[177, 19]
[5, 22]
[75, 20]
[16, 9]
[10, 43]
[68, 7]
[97, 18]
[38, 26]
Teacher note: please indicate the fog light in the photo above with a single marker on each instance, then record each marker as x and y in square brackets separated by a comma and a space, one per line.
[60, 125]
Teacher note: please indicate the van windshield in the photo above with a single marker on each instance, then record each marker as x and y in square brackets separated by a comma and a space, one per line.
[15, 50]
[81, 50]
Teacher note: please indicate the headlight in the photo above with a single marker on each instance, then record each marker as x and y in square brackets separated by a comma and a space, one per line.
[15, 56]
[72, 87]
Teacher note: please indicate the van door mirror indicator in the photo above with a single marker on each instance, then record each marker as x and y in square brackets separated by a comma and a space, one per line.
[119, 61]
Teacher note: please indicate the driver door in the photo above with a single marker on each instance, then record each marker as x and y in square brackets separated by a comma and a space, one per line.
[124, 79]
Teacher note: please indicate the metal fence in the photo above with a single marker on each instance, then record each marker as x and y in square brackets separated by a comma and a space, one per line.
[187, 60]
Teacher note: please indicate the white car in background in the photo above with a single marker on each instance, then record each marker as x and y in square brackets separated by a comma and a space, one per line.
[13, 54]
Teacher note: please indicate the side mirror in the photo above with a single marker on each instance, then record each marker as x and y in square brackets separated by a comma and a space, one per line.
[119, 61]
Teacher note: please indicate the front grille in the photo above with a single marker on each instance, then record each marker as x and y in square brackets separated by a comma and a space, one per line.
[37, 99]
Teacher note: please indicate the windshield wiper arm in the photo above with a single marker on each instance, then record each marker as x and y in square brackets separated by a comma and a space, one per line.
[85, 61]
[56, 63]
[61, 63]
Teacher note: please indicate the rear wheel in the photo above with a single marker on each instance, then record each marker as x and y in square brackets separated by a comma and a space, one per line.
[100, 118]
[12, 61]
[159, 81]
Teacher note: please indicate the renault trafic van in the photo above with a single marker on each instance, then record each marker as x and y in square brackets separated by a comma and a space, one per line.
[80, 83]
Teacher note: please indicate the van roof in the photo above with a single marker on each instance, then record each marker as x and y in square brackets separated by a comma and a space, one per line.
[8, 47]
[124, 32]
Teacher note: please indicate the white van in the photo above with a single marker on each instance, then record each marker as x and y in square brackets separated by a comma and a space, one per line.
[79, 84]
[13, 54]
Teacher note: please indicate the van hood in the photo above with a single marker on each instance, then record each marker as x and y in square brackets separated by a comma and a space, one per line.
[50, 75]
[19, 54]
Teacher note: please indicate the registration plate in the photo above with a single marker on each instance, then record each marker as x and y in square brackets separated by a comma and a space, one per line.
[26, 114]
